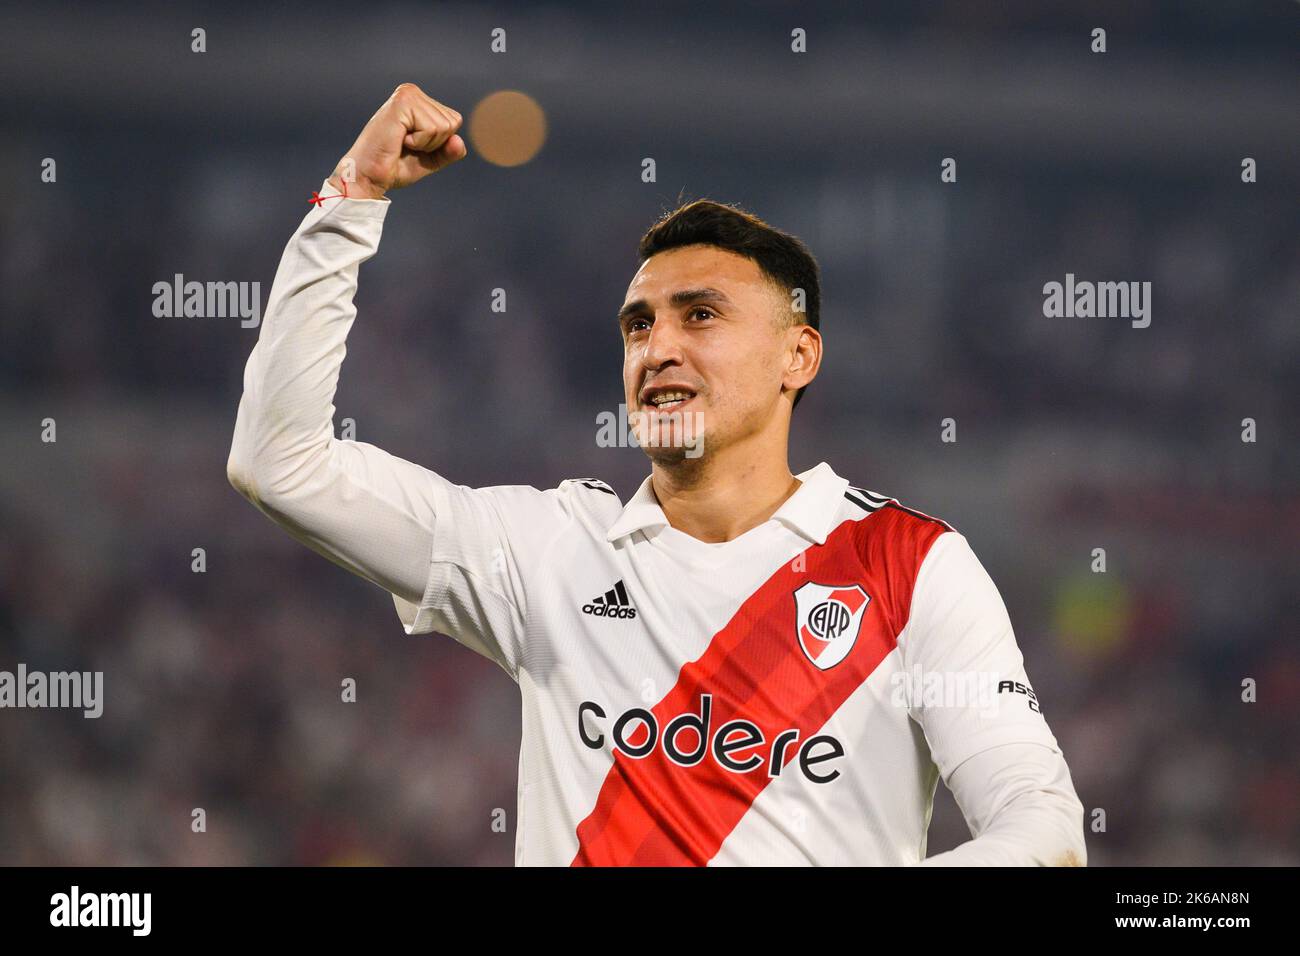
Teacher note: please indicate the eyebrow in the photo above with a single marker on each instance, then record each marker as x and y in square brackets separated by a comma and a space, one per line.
[677, 299]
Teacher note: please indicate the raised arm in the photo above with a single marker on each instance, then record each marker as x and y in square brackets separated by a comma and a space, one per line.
[352, 502]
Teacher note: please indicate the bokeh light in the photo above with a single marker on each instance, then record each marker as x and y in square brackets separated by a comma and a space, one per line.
[507, 128]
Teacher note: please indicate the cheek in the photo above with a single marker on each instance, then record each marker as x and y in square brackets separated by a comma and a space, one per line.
[629, 370]
[775, 368]
[749, 388]
[752, 381]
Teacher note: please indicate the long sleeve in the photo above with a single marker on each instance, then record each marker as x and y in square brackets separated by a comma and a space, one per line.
[1021, 807]
[361, 507]
[994, 750]
[453, 558]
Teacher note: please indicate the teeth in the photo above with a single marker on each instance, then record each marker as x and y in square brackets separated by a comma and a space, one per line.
[669, 398]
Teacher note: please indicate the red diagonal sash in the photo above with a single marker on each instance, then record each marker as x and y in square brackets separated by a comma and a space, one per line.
[652, 812]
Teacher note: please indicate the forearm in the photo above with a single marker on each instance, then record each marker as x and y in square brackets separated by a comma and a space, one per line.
[1021, 807]
[284, 427]
[1034, 832]
[354, 503]
[284, 431]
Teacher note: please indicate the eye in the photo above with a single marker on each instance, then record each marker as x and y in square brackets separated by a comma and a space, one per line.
[635, 325]
[699, 308]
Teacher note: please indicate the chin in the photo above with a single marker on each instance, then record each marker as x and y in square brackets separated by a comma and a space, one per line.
[669, 452]
[671, 457]
[672, 437]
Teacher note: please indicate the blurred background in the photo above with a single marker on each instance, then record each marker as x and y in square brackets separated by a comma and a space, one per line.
[222, 688]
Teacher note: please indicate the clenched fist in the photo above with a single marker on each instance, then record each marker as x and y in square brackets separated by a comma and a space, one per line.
[408, 138]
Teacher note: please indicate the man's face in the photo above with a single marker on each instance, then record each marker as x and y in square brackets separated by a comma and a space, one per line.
[704, 353]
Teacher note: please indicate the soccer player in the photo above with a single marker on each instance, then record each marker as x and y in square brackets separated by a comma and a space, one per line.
[737, 666]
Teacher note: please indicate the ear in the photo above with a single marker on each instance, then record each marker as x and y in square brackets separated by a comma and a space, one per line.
[804, 357]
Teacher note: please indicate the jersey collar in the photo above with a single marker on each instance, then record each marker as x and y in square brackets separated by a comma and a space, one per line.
[810, 511]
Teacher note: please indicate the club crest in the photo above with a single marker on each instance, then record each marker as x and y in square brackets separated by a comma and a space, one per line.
[827, 619]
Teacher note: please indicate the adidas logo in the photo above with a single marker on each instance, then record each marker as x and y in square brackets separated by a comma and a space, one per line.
[613, 603]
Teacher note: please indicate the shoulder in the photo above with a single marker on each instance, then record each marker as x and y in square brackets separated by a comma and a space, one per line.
[868, 502]
[890, 516]
[589, 500]
[579, 486]
[887, 532]
[929, 566]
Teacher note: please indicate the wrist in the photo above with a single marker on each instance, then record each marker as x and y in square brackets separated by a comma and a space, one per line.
[355, 187]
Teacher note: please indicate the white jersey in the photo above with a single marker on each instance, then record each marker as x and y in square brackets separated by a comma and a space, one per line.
[791, 696]
[744, 702]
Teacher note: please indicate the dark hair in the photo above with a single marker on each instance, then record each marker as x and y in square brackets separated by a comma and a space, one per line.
[781, 257]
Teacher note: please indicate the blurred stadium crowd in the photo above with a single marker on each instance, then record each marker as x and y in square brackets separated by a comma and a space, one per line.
[223, 687]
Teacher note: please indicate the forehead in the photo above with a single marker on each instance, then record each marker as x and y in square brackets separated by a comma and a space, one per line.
[697, 265]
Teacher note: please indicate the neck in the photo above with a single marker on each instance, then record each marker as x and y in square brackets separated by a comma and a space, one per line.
[721, 497]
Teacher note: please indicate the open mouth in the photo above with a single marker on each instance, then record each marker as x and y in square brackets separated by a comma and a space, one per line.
[667, 400]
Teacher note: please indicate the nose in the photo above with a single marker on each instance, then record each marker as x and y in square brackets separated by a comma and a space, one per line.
[663, 345]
